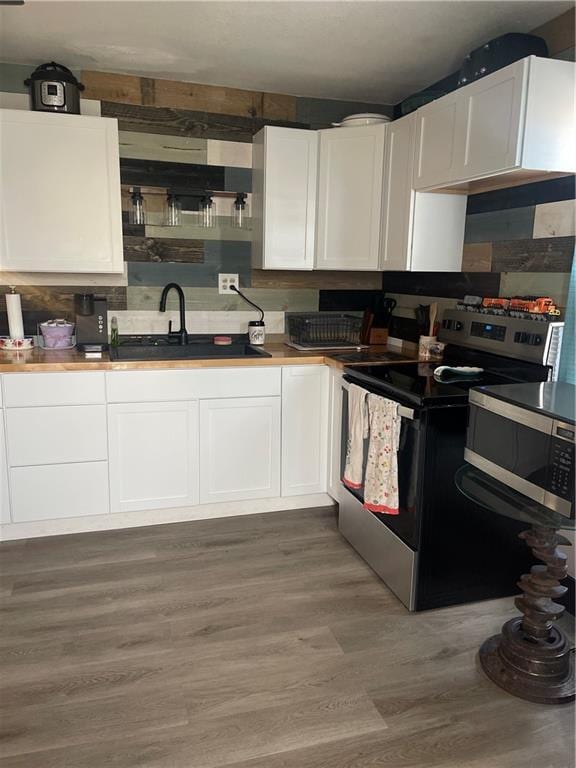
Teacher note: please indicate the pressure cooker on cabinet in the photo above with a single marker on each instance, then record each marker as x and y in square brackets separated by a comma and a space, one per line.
[54, 88]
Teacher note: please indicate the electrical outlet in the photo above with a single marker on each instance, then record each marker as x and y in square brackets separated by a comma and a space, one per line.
[227, 280]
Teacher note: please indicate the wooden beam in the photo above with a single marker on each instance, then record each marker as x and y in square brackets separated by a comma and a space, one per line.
[163, 249]
[368, 281]
[181, 122]
[177, 94]
[109, 86]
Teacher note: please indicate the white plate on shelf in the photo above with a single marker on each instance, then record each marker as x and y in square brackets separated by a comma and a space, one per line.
[362, 118]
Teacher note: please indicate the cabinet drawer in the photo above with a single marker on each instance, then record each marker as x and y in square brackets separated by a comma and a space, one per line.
[31, 389]
[63, 490]
[165, 386]
[56, 435]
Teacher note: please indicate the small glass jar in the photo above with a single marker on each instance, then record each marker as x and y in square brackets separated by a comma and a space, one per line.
[172, 212]
[137, 212]
[239, 211]
[207, 214]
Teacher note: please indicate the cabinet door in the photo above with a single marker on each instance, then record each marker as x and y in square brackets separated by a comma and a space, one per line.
[239, 449]
[398, 195]
[350, 198]
[62, 173]
[153, 449]
[284, 198]
[435, 142]
[304, 429]
[488, 126]
[4, 496]
[335, 434]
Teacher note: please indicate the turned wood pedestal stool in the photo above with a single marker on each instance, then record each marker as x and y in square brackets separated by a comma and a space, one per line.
[531, 658]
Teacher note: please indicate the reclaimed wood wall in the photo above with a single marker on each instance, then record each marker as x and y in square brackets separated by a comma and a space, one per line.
[178, 136]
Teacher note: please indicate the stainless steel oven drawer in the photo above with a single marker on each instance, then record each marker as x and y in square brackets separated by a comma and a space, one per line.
[384, 552]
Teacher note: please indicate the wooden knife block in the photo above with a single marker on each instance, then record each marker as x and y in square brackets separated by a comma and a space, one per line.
[379, 336]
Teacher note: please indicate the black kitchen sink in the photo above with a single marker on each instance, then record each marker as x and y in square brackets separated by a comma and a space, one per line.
[198, 348]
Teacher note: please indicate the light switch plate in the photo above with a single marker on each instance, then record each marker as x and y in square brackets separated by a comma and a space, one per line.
[225, 281]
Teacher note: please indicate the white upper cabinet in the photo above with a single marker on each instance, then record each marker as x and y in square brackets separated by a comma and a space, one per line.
[421, 231]
[350, 197]
[488, 123]
[284, 198]
[435, 142]
[398, 195]
[550, 122]
[520, 118]
[60, 207]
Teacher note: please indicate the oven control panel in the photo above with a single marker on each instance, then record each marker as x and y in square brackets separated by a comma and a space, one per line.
[488, 331]
[520, 338]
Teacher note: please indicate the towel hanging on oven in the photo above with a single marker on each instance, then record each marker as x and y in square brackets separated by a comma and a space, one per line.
[357, 433]
[381, 481]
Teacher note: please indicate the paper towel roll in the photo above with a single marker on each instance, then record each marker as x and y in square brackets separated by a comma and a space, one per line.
[15, 321]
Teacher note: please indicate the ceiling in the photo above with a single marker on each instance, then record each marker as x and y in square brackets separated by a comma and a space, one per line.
[378, 51]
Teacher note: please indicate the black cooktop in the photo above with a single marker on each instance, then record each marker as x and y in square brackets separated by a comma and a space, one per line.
[416, 383]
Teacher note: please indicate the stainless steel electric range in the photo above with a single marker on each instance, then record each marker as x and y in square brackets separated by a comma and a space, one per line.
[441, 549]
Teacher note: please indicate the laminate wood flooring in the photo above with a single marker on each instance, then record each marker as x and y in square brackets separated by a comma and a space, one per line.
[251, 642]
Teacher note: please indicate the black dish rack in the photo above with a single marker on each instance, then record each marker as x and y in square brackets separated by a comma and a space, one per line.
[316, 330]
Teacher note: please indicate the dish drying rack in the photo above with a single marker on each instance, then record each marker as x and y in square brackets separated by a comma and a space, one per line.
[324, 330]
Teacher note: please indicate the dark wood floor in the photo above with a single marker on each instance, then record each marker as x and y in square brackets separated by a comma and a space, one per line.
[254, 642]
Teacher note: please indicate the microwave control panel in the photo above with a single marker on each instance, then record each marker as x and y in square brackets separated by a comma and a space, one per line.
[561, 471]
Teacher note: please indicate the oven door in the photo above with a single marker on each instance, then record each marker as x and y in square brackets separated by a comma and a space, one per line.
[406, 524]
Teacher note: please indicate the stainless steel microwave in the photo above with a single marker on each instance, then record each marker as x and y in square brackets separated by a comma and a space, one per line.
[523, 435]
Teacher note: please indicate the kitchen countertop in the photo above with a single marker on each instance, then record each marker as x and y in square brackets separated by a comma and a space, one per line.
[39, 361]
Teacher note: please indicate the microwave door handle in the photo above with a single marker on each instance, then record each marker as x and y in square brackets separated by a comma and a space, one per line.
[403, 412]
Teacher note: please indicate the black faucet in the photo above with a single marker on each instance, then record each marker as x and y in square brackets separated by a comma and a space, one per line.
[182, 333]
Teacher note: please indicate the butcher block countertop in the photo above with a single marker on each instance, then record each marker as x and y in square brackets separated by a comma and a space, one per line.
[39, 361]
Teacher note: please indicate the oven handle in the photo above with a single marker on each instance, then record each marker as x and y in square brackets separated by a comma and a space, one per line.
[405, 413]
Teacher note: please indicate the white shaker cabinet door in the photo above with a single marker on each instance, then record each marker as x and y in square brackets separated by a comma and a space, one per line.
[488, 128]
[60, 210]
[350, 198]
[284, 198]
[4, 495]
[304, 429]
[335, 434]
[239, 449]
[398, 195]
[436, 142]
[153, 450]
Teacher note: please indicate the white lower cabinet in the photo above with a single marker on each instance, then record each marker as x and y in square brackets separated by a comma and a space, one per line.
[4, 495]
[304, 429]
[335, 433]
[56, 435]
[153, 450]
[59, 490]
[239, 449]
